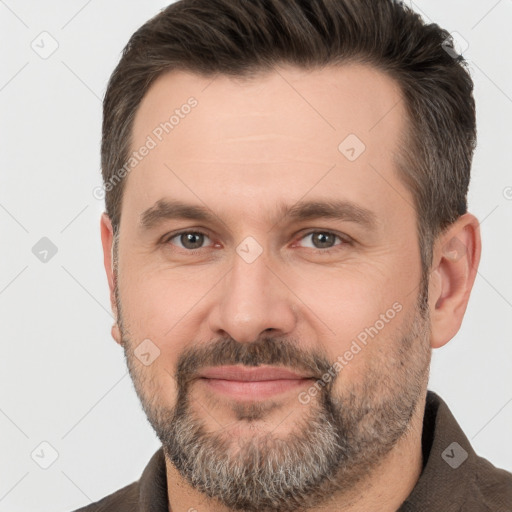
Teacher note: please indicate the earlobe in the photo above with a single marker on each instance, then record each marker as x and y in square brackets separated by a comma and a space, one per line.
[116, 334]
[455, 259]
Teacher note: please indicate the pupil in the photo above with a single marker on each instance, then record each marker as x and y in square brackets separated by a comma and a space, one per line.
[195, 239]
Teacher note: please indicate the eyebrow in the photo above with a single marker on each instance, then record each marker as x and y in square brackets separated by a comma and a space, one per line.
[169, 209]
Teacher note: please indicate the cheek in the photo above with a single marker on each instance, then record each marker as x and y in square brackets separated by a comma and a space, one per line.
[348, 299]
[157, 304]
[356, 313]
[152, 312]
[154, 382]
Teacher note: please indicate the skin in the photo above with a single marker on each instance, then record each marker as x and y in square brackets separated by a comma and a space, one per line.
[246, 147]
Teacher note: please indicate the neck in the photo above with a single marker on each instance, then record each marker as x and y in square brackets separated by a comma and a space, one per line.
[384, 490]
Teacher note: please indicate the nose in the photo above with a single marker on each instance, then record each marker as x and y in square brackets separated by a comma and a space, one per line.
[251, 299]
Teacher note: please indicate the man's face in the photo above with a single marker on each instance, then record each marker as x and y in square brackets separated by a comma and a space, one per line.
[254, 284]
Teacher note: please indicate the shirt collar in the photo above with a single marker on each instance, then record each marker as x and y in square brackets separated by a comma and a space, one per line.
[448, 462]
[153, 496]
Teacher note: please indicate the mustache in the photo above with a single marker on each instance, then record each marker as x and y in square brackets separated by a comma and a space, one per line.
[265, 351]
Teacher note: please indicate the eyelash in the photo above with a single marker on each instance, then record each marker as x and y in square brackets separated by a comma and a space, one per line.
[345, 239]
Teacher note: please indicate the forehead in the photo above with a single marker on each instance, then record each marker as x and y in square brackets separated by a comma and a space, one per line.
[268, 139]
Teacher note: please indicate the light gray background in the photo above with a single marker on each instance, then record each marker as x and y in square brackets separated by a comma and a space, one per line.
[62, 378]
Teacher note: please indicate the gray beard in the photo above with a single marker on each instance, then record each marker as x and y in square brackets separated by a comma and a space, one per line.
[329, 449]
[272, 474]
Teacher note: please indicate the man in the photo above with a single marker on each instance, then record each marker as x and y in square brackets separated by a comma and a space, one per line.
[286, 239]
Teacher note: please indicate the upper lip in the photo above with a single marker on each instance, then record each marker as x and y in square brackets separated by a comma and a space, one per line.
[250, 374]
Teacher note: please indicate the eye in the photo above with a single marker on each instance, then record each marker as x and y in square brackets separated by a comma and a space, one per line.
[322, 241]
[189, 240]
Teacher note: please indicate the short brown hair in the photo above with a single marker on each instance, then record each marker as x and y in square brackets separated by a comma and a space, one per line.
[241, 38]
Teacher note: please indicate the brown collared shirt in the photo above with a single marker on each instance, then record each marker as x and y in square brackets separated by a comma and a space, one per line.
[454, 478]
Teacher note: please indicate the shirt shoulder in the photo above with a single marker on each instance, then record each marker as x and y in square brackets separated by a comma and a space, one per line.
[454, 477]
[148, 494]
[490, 488]
[125, 500]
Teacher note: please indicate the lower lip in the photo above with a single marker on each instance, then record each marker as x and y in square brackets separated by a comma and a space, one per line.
[254, 390]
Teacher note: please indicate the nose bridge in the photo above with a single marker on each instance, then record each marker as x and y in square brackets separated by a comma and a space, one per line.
[249, 280]
[252, 298]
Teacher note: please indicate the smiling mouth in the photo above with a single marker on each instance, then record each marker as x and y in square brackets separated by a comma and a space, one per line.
[257, 383]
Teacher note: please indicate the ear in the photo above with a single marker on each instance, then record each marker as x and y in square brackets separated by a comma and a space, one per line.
[107, 239]
[455, 262]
